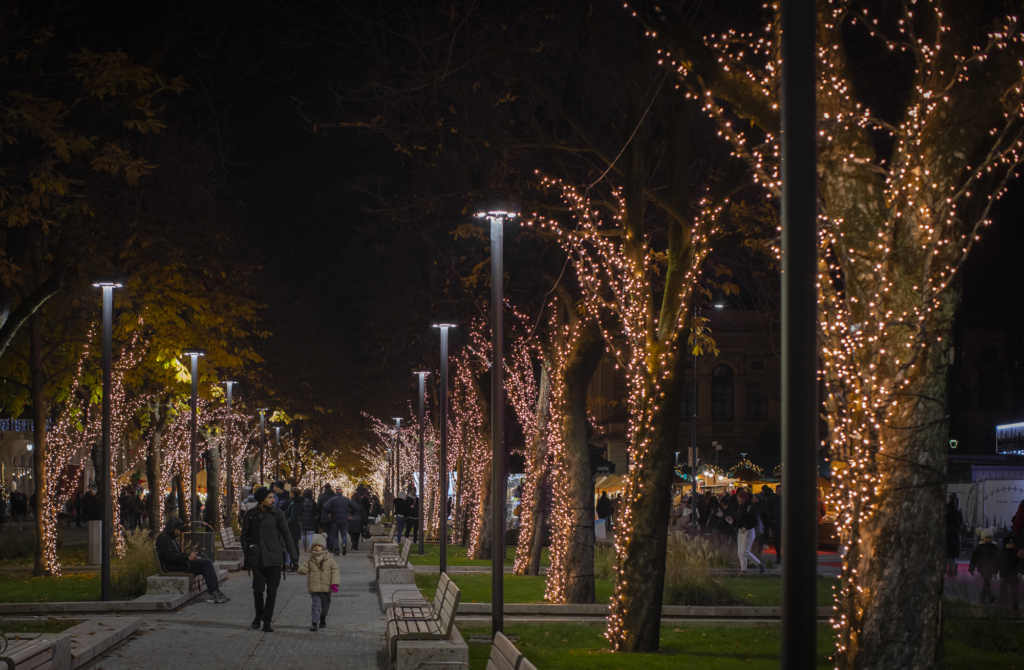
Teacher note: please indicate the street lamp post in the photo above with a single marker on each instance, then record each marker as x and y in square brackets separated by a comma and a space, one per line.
[421, 375]
[442, 468]
[227, 454]
[263, 430]
[194, 353]
[398, 459]
[107, 284]
[497, 213]
[800, 406]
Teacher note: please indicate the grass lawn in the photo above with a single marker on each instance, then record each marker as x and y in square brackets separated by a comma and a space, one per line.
[476, 588]
[767, 592]
[457, 556]
[28, 589]
[518, 589]
[42, 626]
[572, 646]
[69, 554]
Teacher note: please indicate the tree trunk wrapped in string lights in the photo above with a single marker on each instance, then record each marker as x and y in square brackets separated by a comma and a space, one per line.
[911, 156]
[578, 348]
[639, 296]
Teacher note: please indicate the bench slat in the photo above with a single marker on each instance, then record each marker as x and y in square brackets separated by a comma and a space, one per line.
[506, 650]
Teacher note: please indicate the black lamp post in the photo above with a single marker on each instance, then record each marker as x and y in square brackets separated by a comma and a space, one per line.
[497, 213]
[421, 376]
[799, 333]
[108, 284]
[442, 468]
[398, 459]
[227, 454]
[194, 353]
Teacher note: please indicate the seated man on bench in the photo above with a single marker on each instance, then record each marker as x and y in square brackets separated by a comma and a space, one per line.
[173, 558]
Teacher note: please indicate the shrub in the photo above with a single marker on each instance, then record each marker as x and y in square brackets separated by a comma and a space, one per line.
[980, 626]
[688, 579]
[15, 543]
[139, 562]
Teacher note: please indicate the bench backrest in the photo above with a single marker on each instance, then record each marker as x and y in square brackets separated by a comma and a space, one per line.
[449, 608]
[442, 589]
[505, 656]
[405, 550]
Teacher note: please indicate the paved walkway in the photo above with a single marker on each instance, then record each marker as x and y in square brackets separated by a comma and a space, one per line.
[205, 636]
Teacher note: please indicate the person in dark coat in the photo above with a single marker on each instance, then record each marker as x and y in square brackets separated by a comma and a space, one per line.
[401, 512]
[79, 509]
[338, 509]
[281, 496]
[293, 514]
[984, 559]
[954, 522]
[309, 519]
[604, 507]
[355, 522]
[173, 559]
[1009, 565]
[412, 519]
[773, 516]
[266, 539]
[326, 495]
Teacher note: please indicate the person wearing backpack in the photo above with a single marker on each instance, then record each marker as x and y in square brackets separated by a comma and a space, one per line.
[747, 529]
[266, 538]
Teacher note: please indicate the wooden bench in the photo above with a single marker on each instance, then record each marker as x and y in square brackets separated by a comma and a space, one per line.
[31, 654]
[417, 606]
[423, 622]
[505, 656]
[390, 561]
[390, 537]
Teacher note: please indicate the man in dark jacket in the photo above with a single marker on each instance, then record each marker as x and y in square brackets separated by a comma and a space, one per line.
[266, 538]
[401, 512]
[308, 518]
[338, 509]
[173, 559]
[327, 494]
[412, 514]
[773, 514]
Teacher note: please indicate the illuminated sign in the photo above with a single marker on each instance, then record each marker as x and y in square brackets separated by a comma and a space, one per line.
[1010, 438]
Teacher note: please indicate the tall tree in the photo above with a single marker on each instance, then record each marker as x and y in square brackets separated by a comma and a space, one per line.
[920, 128]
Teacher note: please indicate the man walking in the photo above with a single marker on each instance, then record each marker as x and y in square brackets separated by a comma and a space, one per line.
[266, 538]
[773, 513]
[337, 509]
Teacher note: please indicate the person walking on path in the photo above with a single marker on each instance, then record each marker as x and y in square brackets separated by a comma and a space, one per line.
[773, 513]
[401, 512]
[323, 579]
[412, 518]
[293, 514]
[266, 539]
[173, 559]
[355, 523]
[954, 522]
[308, 519]
[604, 508]
[337, 509]
[984, 559]
[1009, 567]
[324, 496]
[747, 523]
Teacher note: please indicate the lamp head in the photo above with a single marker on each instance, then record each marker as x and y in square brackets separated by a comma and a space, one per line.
[109, 281]
[445, 323]
[421, 372]
[193, 351]
[497, 209]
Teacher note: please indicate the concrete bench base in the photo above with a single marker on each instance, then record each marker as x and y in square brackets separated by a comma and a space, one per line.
[396, 576]
[181, 585]
[229, 555]
[384, 548]
[411, 653]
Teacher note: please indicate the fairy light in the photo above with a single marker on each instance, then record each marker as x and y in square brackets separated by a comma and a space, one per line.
[883, 306]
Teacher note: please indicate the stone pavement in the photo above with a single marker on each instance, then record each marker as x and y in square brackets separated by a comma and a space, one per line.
[204, 636]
